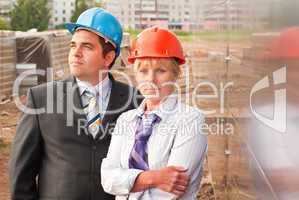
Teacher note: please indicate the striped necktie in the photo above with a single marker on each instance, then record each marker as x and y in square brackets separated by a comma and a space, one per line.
[139, 155]
[93, 113]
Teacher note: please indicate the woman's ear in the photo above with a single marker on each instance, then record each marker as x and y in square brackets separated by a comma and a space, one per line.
[109, 58]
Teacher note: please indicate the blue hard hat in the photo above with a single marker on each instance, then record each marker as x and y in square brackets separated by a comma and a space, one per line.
[100, 22]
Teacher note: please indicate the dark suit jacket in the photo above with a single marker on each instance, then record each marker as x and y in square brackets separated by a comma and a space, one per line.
[50, 160]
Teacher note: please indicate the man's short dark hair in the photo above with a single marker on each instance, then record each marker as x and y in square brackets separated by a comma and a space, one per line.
[107, 47]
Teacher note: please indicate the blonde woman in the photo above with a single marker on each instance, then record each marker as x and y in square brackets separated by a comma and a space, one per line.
[157, 150]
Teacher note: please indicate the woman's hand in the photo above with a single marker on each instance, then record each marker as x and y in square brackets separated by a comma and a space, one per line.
[169, 179]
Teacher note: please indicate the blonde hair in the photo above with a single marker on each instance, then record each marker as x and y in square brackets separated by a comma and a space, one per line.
[170, 63]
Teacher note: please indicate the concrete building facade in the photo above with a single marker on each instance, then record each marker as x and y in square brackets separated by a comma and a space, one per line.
[61, 11]
[233, 14]
[5, 7]
[175, 14]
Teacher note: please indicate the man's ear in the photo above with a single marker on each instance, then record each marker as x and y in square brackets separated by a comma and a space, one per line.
[109, 58]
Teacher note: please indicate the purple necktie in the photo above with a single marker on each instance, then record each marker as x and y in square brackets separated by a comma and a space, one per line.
[138, 158]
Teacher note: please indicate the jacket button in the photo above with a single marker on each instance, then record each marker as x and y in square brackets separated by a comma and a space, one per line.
[94, 147]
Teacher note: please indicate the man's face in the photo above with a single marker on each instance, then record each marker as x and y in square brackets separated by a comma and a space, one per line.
[86, 58]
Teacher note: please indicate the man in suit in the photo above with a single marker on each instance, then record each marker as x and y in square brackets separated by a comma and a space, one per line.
[57, 151]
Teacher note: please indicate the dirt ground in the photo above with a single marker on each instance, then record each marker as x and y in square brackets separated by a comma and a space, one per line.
[9, 115]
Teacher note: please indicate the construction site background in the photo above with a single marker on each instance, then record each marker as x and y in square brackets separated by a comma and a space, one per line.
[240, 58]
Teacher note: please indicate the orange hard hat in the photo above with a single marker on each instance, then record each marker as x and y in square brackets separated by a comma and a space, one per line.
[156, 42]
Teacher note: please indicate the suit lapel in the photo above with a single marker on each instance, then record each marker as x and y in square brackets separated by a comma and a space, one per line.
[72, 97]
[116, 99]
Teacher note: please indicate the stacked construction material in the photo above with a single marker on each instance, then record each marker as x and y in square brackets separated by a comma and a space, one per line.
[48, 50]
[7, 63]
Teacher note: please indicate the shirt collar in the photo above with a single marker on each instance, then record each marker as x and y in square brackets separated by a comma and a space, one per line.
[167, 107]
[102, 88]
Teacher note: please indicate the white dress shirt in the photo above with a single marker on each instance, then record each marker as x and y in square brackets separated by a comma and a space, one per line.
[176, 141]
[103, 89]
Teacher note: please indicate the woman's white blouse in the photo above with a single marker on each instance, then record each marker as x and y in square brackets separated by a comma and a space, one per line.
[177, 140]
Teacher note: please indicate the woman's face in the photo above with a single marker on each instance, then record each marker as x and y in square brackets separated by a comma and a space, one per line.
[155, 78]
